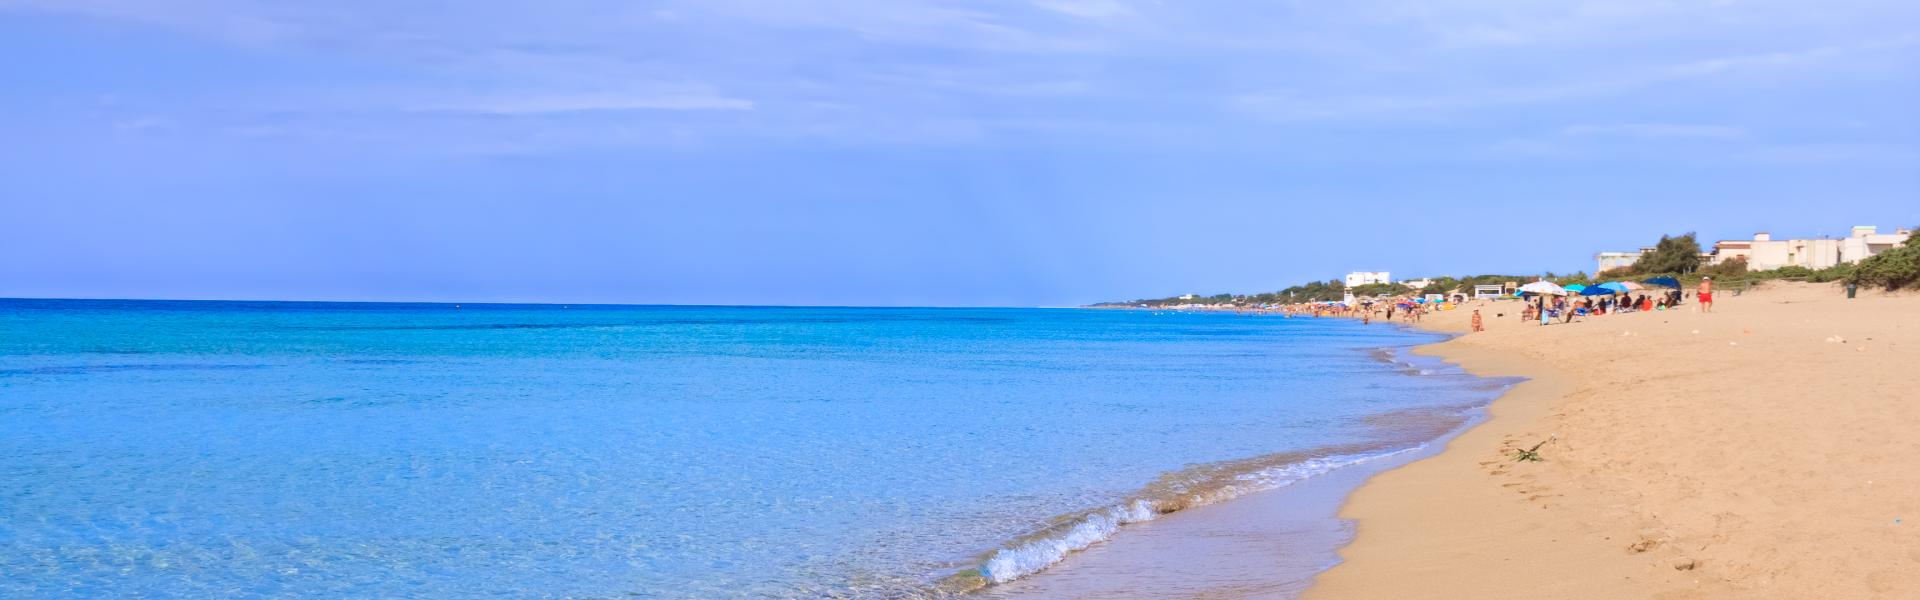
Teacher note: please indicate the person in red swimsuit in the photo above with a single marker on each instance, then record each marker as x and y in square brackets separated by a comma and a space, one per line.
[1706, 294]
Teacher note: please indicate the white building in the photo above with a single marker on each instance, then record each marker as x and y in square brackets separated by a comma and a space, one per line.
[1867, 241]
[1418, 284]
[1359, 278]
[1765, 253]
[1608, 261]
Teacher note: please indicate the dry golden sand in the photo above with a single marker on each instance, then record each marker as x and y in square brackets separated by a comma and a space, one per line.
[1741, 454]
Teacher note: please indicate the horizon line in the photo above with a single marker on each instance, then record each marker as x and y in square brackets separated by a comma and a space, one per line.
[516, 303]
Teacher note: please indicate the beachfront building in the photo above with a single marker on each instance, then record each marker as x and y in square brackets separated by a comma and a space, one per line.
[1360, 278]
[1726, 250]
[1418, 284]
[1867, 241]
[1765, 253]
[1608, 261]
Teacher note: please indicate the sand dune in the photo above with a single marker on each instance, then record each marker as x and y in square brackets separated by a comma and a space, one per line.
[1768, 450]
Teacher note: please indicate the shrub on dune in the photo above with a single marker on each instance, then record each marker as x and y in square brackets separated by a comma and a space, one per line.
[1893, 269]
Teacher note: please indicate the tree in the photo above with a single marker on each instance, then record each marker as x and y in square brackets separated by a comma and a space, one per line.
[1674, 254]
[1732, 267]
[1893, 269]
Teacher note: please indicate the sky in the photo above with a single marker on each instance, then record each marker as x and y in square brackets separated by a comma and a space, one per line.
[918, 152]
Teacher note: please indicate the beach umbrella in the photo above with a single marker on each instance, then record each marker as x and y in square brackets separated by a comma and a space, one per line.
[1595, 290]
[1543, 287]
[1664, 282]
[1615, 286]
[1575, 287]
[1632, 287]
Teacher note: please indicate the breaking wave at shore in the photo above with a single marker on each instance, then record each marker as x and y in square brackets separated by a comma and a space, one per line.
[1196, 486]
[1397, 431]
[1179, 491]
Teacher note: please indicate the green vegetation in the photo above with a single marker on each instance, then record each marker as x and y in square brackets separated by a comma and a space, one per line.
[1833, 273]
[1730, 269]
[1531, 454]
[1376, 289]
[1894, 269]
[1673, 255]
[1317, 291]
[1331, 290]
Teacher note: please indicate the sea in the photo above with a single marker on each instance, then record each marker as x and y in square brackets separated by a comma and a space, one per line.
[301, 449]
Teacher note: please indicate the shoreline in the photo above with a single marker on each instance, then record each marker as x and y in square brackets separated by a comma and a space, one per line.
[1274, 541]
[1682, 459]
[1406, 538]
[1761, 451]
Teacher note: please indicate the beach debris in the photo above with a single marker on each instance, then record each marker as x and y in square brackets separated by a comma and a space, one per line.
[1835, 338]
[1696, 331]
[1531, 454]
[1685, 564]
[1733, 343]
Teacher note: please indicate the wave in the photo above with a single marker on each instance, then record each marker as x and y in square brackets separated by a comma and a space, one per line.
[1195, 486]
[1393, 432]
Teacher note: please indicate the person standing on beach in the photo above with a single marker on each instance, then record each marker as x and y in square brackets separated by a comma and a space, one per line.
[1706, 294]
[1477, 327]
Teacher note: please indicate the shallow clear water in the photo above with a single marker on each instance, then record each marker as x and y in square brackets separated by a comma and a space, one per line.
[318, 449]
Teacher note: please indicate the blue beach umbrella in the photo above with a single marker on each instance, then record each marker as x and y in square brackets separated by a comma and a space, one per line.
[1596, 290]
[1575, 287]
[1617, 287]
[1664, 282]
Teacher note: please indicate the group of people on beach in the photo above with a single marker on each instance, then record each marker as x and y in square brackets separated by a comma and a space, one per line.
[1544, 311]
[1366, 310]
[1539, 307]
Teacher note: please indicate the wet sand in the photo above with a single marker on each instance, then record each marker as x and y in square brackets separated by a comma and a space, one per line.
[1264, 545]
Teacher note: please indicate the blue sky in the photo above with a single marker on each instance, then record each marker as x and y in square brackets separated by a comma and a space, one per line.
[1044, 152]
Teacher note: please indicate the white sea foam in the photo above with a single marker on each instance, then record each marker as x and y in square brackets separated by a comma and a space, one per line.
[1026, 559]
[1034, 555]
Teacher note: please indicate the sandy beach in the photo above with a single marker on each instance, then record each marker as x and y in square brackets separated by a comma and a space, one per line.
[1767, 450]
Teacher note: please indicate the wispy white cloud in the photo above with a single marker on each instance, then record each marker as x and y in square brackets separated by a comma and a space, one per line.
[1829, 153]
[1297, 104]
[1087, 9]
[987, 70]
[1656, 130]
[522, 103]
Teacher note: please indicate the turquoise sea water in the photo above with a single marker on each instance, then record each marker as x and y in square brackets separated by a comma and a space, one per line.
[235, 449]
